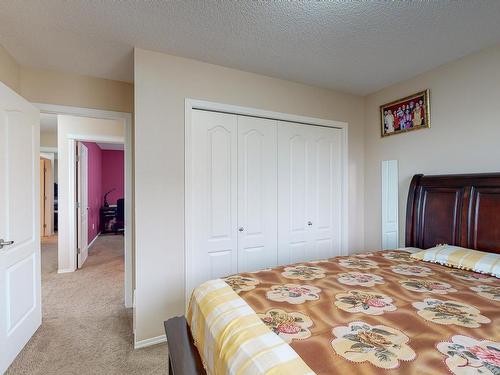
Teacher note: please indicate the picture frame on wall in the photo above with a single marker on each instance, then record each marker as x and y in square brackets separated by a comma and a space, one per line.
[409, 113]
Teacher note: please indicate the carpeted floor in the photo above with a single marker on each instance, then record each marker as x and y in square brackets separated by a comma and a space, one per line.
[86, 329]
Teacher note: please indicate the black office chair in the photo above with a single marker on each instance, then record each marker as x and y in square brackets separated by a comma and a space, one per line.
[119, 226]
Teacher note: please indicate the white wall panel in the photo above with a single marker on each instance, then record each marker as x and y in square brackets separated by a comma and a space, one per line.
[390, 227]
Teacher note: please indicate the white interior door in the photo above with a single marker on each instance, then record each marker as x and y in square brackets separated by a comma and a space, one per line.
[213, 183]
[309, 200]
[20, 303]
[257, 194]
[83, 205]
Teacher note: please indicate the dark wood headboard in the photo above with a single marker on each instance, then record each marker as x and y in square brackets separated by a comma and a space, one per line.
[462, 210]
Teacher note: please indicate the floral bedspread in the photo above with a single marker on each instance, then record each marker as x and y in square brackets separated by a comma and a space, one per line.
[380, 312]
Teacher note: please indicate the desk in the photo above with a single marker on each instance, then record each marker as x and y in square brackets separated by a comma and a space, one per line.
[108, 219]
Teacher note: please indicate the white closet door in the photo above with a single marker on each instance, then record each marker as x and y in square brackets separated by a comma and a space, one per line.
[326, 220]
[214, 195]
[257, 194]
[295, 202]
[309, 185]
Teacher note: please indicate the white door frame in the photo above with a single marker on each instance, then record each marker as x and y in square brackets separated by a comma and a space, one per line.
[191, 104]
[82, 197]
[129, 191]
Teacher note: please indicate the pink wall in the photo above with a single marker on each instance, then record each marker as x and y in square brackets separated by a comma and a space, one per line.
[94, 187]
[106, 171]
[113, 174]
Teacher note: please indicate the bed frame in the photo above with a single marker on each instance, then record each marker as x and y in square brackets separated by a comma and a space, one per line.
[462, 210]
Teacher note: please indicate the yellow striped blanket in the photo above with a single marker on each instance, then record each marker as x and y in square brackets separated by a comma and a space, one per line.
[459, 257]
[232, 339]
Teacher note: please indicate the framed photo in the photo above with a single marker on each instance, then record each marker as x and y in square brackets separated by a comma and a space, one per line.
[403, 115]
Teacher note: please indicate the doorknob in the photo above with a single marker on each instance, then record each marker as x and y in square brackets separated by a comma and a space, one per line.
[5, 243]
[241, 229]
[309, 223]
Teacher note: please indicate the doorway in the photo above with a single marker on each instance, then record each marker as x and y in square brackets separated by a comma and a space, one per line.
[99, 192]
[69, 240]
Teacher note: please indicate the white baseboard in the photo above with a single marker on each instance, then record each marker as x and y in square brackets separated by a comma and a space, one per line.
[66, 270]
[92, 242]
[150, 342]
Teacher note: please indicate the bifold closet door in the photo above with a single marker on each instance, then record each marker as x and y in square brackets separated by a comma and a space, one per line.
[214, 196]
[257, 194]
[309, 199]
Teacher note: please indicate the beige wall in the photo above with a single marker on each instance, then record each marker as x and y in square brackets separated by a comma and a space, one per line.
[9, 70]
[78, 128]
[162, 82]
[50, 87]
[464, 137]
[48, 139]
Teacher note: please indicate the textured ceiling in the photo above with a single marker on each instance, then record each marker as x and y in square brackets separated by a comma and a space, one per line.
[357, 47]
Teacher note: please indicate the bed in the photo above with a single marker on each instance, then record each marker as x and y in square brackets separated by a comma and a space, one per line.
[363, 313]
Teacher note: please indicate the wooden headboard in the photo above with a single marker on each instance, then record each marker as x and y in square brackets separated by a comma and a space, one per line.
[462, 210]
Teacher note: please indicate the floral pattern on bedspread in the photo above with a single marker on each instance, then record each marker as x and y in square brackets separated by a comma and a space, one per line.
[467, 356]
[427, 286]
[371, 303]
[357, 262]
[380, 345]
[302, 272]
[289, 326]
[380, 311]
[450, 312]
[412, 270]
[472, 276]
[240, 283]
[400, 256]
[361, 279]
[488, 291]
[293, 293]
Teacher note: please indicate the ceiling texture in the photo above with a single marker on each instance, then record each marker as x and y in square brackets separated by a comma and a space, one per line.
[356, 47]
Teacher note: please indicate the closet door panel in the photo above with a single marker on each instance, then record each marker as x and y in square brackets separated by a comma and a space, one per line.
[327, 192]
[309, 185]
[257, 194]
[294, 186]
[214, 183]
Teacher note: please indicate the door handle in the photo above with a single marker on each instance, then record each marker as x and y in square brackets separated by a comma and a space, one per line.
[241, 229]
[5, 243]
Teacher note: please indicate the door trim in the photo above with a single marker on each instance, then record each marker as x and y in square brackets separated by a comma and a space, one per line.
[129, 188]
[191, 104]
[82, 235]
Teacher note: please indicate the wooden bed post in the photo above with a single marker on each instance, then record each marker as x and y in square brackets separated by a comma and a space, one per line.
[410, 209]
[183, 357]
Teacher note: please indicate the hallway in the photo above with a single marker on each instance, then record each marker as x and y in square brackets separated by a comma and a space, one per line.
[86, 329]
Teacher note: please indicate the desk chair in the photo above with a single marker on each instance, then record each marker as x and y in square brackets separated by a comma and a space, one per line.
[119, 226]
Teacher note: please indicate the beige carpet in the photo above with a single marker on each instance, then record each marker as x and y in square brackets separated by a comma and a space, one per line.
[86, 328]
